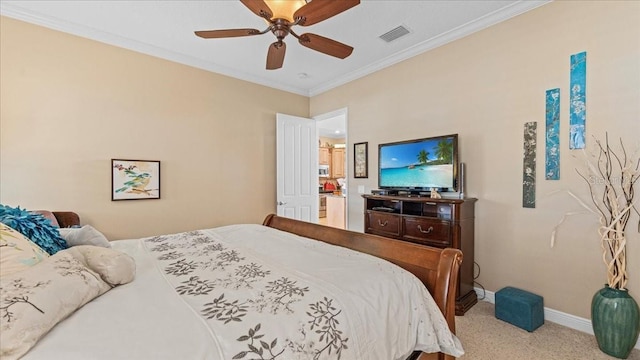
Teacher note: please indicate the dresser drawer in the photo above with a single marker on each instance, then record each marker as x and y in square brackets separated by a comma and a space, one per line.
[383, 224]
[427, 231]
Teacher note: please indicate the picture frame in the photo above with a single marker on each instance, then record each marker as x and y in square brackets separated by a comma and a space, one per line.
[361, 160]
[135, 179]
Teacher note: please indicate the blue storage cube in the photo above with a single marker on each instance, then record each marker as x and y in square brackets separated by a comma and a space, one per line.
[520, 308]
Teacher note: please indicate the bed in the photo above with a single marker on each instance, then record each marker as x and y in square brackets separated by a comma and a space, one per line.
[267, 292]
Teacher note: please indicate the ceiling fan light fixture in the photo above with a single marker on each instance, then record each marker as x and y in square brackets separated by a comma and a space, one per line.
[280, 16]
[284, 9]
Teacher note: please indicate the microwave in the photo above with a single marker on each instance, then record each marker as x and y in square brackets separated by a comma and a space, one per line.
[323, 170]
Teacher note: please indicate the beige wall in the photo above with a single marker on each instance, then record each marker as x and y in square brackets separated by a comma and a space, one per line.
[485, 87]
[69, 105]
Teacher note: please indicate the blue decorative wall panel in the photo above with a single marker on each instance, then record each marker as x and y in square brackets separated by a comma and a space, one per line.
[577, 102]
[552, 138]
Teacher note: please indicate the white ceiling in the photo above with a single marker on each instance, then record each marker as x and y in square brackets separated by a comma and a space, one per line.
[165, 29]
[334, 127]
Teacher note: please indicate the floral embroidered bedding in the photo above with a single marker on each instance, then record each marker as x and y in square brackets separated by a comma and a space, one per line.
[248, 292]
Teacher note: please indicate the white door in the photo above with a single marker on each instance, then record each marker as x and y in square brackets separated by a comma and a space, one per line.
[297, 168]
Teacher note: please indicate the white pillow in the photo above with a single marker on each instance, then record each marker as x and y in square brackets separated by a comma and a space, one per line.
[114, 267]
[36, 299]
[17, 252]
[86, 235]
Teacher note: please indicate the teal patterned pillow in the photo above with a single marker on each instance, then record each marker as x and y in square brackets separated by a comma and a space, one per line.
[33, 226]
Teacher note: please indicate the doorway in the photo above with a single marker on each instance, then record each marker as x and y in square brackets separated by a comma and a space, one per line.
[333, 154]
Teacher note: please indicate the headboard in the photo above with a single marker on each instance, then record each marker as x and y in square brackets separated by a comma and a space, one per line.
[61, 219]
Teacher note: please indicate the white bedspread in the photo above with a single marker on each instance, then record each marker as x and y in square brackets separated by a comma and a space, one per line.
[252, 292]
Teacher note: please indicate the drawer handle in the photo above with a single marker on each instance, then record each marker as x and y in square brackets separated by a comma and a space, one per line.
[430, 229]
[385, 223]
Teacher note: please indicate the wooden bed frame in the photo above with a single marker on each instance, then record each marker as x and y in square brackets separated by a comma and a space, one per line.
[436, 268]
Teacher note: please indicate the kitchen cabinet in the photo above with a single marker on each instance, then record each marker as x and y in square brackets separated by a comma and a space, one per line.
[337, 163]
[323, 156]
[335, 211]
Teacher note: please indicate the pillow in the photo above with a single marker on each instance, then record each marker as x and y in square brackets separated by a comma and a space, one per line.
[17, 252]
[34, 300]
[86, 235]
[114, 267]
[35, 227]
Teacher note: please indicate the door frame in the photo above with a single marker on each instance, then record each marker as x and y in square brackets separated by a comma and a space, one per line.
[345, 113]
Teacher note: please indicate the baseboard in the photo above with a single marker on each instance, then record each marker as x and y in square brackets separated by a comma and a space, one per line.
[555, 316]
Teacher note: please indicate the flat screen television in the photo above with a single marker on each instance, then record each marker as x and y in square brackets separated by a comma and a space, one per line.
[419, 165]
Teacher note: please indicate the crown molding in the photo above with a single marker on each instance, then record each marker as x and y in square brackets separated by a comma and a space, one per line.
[442, 39]
[16, 12]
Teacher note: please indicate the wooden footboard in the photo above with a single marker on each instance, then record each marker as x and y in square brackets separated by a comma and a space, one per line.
[436, 268]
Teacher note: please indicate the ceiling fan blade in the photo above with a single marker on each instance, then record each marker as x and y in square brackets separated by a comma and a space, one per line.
[325, 45]
[259, 7]
[275, 56]
[214, 34]
[319, 10]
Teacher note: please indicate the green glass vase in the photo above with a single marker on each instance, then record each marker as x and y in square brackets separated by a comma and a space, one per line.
[615, 318]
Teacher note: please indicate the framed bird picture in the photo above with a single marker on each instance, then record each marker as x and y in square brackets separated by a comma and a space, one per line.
[135, 179]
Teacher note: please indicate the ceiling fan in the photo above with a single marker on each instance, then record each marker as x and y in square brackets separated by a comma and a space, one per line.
[282, 15]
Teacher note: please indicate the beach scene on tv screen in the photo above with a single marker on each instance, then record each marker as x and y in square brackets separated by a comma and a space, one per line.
[426, 164]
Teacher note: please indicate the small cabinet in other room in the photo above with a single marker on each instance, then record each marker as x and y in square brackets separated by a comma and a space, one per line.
[335, 211]
[323, 156]
[337, 163]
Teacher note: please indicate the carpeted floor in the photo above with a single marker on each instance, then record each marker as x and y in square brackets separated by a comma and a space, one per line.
[485, 337]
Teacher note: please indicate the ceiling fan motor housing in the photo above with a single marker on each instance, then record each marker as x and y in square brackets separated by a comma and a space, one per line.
[280, 28]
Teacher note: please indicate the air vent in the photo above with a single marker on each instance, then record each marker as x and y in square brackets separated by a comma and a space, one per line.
[394, 34]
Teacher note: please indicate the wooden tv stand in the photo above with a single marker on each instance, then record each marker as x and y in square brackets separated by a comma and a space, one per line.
[435, 222]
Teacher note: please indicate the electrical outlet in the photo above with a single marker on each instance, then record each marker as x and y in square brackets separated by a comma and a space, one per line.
[360, 189]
